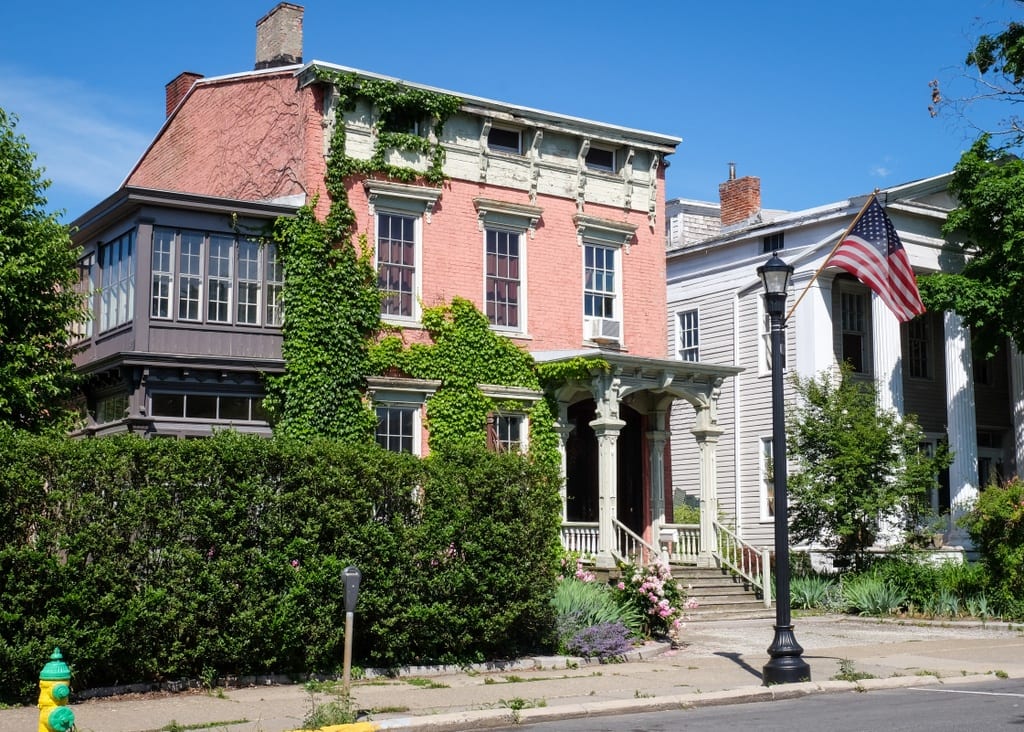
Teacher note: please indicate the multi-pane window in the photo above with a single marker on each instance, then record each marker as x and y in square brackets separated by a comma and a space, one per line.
[918, 363]
[853, 308]
[224, 407]
[117, 280]
[396, 264]
[767, 477]
[773, 242]
[598, 281]
[275, 287]
[502, 283]
[689, 336]
[506, 432]
[85, 287]
[396, 427]
[216, 276]
[111, 408]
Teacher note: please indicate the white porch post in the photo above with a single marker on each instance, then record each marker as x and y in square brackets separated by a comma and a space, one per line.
[607, 431]
[1017, 394]
[656, 441]
[960, 417]
[707, 432]
[888, 361]
[564, 429]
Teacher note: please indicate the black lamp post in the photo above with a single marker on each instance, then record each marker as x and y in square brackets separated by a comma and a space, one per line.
[786, 665]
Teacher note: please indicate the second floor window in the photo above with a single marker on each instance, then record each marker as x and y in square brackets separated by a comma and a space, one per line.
[503, 279]
[854, 326]
[599, 281]
[396, 264]
[117, 281]
[225, 279]
[918, 346]
[689, 336]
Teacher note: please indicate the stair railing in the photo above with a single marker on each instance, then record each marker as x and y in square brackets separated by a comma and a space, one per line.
[629, 546]
[746, 560]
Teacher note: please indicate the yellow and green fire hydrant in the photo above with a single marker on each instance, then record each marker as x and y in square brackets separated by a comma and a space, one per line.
[54, 690]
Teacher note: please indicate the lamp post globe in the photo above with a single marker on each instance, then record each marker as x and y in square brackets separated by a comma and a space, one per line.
[786, 665]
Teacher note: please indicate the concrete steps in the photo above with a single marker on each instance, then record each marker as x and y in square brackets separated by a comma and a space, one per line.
[720, 595]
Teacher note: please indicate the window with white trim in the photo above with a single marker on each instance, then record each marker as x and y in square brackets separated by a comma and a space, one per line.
[503, 278]
[223, 278]
[117, 281]
[600, 284]
[85, 288]
[689, 335]
[507, 432]
[919, 363]
[766, 479]
[396, 264]
[396, 427]
[855, 327]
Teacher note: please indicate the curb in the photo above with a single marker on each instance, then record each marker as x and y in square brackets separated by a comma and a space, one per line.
[495, 718]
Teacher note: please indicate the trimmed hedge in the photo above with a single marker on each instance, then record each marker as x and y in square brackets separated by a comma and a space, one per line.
[162, 559]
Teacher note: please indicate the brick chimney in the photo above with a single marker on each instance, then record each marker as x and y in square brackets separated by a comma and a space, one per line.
[178, 87]
[279, 37]
[741, 197]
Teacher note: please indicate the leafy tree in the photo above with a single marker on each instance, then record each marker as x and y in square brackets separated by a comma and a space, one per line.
[988, 223]
[38, 271]
[856, 465]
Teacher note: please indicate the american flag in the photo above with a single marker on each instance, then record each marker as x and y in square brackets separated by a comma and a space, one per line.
[872, 252]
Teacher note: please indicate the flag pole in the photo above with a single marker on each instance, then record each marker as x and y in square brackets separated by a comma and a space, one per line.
[846, 233]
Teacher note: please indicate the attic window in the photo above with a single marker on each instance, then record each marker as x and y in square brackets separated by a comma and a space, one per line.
[599, 158]
[773, 243]
[503, 139]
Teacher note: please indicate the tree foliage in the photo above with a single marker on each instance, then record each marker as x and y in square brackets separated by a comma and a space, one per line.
[988, 223]
[856, 465]
[38, 271]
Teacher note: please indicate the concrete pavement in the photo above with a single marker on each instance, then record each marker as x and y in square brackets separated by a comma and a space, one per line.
[715, 663]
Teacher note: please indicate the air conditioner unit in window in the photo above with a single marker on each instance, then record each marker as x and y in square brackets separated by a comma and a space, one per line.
[605, 330]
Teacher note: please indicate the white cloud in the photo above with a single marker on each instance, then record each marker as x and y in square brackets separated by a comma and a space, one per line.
[79, 135]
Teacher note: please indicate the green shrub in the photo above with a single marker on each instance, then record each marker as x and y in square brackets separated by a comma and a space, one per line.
[811, 591]
[155, 559]
[995, 523]
[868, 594]
[580, 605]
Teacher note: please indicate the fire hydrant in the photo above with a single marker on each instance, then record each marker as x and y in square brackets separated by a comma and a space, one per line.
[54, 690]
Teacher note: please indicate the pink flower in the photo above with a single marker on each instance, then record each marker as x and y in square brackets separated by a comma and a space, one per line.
[621, 585]
[295, 563]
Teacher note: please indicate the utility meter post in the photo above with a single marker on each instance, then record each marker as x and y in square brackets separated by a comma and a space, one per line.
[351, 577]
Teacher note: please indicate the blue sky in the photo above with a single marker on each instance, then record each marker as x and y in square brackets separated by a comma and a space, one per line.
[821, 100]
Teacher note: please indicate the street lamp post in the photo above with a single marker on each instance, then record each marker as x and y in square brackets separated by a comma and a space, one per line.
[786, 665]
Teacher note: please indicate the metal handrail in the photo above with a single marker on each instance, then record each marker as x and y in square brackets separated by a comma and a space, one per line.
[746, 560]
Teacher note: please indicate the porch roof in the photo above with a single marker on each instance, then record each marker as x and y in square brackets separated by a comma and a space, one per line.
[643, 366]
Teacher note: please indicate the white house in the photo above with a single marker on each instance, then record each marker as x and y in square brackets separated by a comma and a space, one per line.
[924, 367]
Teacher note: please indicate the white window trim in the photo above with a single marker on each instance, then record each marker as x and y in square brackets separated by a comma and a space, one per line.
[766, 516]
[617, 306]
[516, 218]
[600, 168]
[401, 198]
[417, 279]
[525, 399]
[501, 149]
[852, 287]
[764, 341]
[389, 391]
[680, 346]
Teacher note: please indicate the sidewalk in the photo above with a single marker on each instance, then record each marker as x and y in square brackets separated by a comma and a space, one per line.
[717, 663]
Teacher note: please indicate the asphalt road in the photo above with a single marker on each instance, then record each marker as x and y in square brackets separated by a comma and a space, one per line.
[990, 706]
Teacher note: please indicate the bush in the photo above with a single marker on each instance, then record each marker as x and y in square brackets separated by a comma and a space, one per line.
[603, 641]
[869, 594]
[996, 526]
[660, 600]
[811, 591]
[148, 560]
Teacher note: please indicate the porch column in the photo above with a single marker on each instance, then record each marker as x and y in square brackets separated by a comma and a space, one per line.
[607, 430]
[656, 441]
[564, 429]
[1017, 395]
[960, 418]
[888, 361]
[707, 433]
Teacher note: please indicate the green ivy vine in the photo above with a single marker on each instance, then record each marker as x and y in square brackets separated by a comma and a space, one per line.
[463, 354]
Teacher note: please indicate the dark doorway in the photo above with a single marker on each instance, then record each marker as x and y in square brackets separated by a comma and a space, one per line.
[581, 464]
[629, 451]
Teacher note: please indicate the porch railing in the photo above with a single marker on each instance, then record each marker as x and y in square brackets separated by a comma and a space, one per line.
[682, 542]
[746, 560]
[580, 537]
[632, 547]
